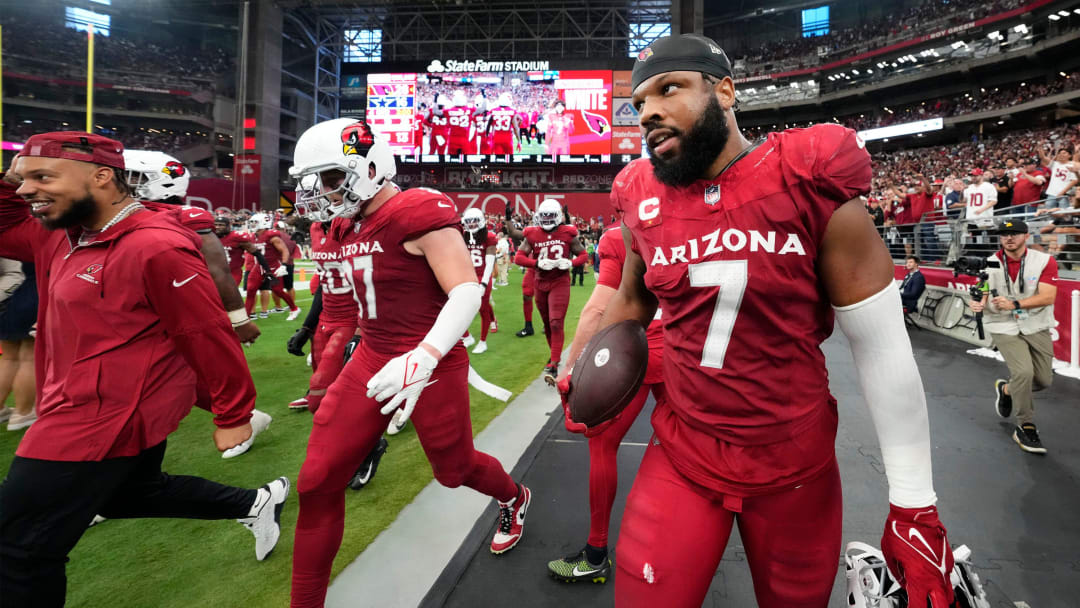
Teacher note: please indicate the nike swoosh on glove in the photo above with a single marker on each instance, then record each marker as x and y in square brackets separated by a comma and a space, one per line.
[564, 264]
[918, 554]
[281, 271]
[401, 380]
[546, 264]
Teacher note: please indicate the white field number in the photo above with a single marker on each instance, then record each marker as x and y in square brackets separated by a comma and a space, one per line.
[730, 276]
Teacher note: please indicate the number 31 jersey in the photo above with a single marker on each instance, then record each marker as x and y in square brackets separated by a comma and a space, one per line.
[398, 295]
[733, 263]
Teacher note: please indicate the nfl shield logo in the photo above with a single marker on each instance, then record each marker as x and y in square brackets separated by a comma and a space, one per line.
[712, 194]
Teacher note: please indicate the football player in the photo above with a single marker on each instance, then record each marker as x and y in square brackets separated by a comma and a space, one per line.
[592, 563]
[481, 244]
[417, 293]
[438, 126]
[503, 124]
[752, 249]
[460, 117]
[481, 142]
[236, 244]
[560, 128]
[528, 281]
[277, 255]
[553, 248]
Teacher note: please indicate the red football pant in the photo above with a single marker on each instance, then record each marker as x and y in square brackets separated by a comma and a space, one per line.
[435, 148]
[673, 535]
[603, 465]
[505, 146]
[255, 279]
[487, 313]
[528, 288]
[345, 430]
[552, 303]
[327, 359]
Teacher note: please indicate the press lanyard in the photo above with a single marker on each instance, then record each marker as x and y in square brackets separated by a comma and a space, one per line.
[1019, 276]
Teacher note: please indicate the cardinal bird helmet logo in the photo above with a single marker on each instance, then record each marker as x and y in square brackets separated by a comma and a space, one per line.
[173, 169]
[357, 138]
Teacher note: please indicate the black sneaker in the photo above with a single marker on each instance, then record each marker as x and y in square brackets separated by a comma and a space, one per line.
[366, 472]
[551, 372]
[1027, 437]
[1003, 403]
[526, 331]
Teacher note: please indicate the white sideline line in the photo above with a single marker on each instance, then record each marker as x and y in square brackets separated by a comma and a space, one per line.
[403, 562]
[633, 443]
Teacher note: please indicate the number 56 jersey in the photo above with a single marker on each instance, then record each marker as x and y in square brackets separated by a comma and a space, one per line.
[398, 295]
[733, 263]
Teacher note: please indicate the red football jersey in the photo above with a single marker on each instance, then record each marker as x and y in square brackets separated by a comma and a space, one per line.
[339, 308]
[439, 124]
[733, 263]
[460, 119]
[234, 252]
[502, 124]
[270, 253]
[478, 249]
[553, 245]
[398, 294]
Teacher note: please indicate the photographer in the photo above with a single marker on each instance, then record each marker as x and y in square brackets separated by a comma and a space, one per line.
[1019, 315]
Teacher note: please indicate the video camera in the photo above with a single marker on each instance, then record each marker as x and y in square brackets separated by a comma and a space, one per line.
[976, 266]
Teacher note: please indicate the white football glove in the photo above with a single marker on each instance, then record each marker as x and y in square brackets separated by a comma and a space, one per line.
[439, 139]
[281, 271]
[546, 264]
[402, 378]
[564, 264]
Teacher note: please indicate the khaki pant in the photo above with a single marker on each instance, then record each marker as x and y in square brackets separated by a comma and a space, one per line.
[502, 266]
[1030, 360]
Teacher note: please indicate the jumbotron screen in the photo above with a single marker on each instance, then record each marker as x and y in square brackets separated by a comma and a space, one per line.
[512, 117]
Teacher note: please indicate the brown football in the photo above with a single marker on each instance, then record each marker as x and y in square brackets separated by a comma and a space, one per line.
[608, 373]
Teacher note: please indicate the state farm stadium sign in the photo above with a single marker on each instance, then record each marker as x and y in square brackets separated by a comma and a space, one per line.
[480, 65]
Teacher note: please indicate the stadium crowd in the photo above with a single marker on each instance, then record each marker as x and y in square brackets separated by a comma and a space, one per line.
[142, 138]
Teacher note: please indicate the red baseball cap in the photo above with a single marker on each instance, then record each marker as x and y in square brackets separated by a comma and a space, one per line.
[60, 144]
[976, 171]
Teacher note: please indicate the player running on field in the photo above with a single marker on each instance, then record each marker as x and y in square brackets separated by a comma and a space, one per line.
[481, 244]
[417, 292]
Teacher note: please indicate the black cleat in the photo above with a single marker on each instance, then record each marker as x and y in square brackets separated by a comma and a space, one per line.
[1027, 437]
[366, 472]
[526, 331]
[1003, 403]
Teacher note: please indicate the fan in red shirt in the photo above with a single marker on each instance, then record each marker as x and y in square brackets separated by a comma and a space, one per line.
[128, 322]
[481, 243]
[717, 228]
[1030, 183]
[592, 563]
[417, 293]
[553, 248]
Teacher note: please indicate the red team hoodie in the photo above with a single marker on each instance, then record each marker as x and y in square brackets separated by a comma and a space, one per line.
[125, 325]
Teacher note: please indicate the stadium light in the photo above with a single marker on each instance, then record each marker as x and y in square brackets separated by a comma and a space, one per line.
[855, 72]
[810, 83]
[959, 44]
[869, 71]
[1063, 74]
[1063, 13]
[1054, 17]
[1021, 29]
[1077, 11]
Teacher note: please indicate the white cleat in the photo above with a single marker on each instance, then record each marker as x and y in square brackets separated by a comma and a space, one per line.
[259, 422]
[396, 423]
[299, 404]
[468, 341]
[97, 520]
[293, 314]
[481, 347]
[264, 520]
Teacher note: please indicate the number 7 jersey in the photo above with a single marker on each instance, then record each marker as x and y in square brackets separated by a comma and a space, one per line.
[398, 296]
[733, 263]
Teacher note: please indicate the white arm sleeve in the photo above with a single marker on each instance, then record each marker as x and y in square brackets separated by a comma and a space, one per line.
[893, 390]
[462, 304]
[489, 264]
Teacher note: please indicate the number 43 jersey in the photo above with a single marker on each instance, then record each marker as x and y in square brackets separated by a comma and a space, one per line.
[733, 263]
[554, 245]
[398, 295]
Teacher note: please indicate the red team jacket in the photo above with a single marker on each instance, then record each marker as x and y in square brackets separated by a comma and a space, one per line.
[553, 245]
[732, 262]
[339, 307]
[125, 324]
[399, 296]
[478, 250]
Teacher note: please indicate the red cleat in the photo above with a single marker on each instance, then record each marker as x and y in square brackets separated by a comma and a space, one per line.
[511, 521]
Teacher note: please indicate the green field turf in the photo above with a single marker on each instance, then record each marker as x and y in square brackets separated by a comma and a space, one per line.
[183, 563]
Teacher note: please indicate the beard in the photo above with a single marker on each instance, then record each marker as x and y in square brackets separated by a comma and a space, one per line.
[698, 148]
[79, 211]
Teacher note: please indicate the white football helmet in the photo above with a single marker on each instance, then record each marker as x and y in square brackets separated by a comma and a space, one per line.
[473, 219]
[506, 100]
[259, 221]
[155, 176]
[549, 214]
[872, 585]
[349, 146]
[441, 101]
[479, 103]
[459, 99]
[305, 193]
